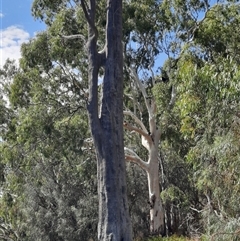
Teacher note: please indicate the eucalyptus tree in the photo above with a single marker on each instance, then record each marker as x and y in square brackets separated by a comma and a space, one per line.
[106, 115]
[49, 188]
[206, 79]
[159, 34]
[177, 27]
[7, 226]
[150, 140]
[62, 68]
[209, 120]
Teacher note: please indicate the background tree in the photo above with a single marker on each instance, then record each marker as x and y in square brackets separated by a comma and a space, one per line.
[187, 23]
[150, 140]
[50, 185]
[200, 80]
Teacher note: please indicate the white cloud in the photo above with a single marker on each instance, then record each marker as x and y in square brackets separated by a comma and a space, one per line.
[1, 15]
[11, 39]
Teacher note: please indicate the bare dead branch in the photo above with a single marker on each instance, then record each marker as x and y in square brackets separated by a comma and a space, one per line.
[196, 210]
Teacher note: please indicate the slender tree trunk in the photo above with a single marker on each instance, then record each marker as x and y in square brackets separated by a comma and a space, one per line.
[156, 208]
[106, 126]
[150, 140]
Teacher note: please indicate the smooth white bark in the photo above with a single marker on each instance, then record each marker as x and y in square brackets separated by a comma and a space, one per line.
[150, 140]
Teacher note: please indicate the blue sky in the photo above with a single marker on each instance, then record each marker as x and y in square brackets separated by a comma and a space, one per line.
[16, 26]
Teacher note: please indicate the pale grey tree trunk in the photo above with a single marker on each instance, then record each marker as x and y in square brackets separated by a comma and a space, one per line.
[156, 207]
[106, 124]
[150, 140]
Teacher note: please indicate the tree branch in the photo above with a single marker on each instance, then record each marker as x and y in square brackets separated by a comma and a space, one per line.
[74, 36]
[136, 103]
[142, 89]
[136, 119]
[194, 29]
[133, 157]
[173, 96]
[88, 17]
[135, 129]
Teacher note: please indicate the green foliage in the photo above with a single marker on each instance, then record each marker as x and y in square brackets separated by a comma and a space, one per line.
[217, 33]
[208, 108]
[49, 178]
[48, 170]
[36, 53]
[46, 10]
[172, 238]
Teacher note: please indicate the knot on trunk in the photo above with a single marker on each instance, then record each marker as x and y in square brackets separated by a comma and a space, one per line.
[152, 201]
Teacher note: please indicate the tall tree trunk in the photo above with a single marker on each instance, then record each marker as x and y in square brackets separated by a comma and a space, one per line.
[106, 126]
